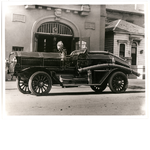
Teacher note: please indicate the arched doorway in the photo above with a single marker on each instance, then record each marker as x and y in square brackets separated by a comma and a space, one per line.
[50, 33]
[134, 53]
[70, 39]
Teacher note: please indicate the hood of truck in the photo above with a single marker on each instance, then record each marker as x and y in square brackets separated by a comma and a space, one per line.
[56, 55]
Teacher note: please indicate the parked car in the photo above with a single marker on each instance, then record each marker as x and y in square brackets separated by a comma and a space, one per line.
[37, 72]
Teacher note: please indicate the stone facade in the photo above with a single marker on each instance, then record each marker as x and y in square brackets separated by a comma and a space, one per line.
[22, 22]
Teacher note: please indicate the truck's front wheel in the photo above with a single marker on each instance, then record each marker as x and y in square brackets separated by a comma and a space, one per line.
[40, 83]
[22, 85]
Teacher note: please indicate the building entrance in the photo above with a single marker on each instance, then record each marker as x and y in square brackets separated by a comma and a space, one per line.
[47, 43]
[50, 33]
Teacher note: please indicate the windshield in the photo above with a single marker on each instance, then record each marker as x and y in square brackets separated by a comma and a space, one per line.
[77, 52]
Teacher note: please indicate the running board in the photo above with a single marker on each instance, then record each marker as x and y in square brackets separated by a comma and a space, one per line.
[76, 85]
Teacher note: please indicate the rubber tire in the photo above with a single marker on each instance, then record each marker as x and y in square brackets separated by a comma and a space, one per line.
[19, 85]
[112, 79]
[31, 82]
[99, 89]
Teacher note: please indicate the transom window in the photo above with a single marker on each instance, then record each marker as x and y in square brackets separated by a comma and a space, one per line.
[55, 28]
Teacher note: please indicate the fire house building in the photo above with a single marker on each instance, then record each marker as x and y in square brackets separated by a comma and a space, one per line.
[38, 28]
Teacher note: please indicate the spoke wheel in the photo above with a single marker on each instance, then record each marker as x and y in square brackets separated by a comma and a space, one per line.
[40, 83]
[118, 82]
[22, 85]
[99, 89]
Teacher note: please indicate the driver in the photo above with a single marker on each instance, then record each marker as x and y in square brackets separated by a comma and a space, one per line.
[60, 47]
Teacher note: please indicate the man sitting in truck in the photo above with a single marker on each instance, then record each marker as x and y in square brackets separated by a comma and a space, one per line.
[60, 47]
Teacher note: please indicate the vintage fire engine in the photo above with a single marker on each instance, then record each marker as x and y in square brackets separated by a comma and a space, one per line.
[37, 72]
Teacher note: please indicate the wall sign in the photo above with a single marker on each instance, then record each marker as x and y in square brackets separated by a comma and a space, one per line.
[90, 25]
[18, 18]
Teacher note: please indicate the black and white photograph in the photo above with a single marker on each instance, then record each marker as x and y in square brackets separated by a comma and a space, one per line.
[78, 62]
[75, 59]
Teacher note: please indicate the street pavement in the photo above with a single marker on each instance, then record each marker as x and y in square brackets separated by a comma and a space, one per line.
[133, 84]
[76, 101]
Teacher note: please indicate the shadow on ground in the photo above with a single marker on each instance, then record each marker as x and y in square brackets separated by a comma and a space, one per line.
[90, 93]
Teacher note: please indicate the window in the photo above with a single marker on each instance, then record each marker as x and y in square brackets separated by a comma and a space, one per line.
[122, 50]
[17, 48]
[134, 53]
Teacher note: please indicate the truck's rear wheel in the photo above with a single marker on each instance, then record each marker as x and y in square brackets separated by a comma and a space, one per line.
[22, 85]
[40, 83]
[118, 82]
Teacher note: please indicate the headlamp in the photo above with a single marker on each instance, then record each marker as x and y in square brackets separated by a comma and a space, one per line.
[14, 60]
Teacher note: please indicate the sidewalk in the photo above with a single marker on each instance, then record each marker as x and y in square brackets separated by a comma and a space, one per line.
[10, 85]
[136, 84]
[133, 84]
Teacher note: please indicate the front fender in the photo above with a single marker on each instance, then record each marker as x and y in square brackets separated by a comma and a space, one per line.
[27, 72]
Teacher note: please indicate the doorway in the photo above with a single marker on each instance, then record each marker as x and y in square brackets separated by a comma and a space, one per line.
[48, 43]
[50, 33]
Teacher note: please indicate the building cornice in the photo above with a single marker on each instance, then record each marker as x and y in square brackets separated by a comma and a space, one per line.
[82, 10]
[129, 33]
[123, 11]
